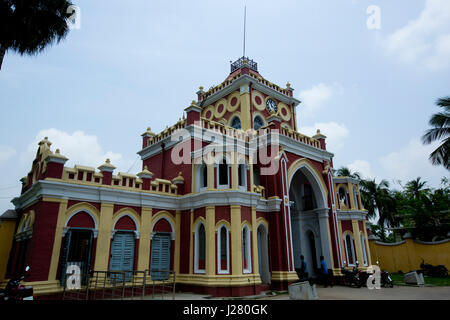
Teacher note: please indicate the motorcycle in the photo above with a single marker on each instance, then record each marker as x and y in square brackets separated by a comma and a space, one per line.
[386, 281]
[15, 291]
[351, 277]
[433, 271]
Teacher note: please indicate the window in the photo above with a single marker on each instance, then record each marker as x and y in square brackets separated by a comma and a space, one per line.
[363, 246]
[246, 254]
[236, 123]
[343, 196]
[256, 175]
[258, 122]
[355, 197]
[223, 174]
[223, 261]
[242, 174]
[200, 249]
[350, 250]
[202, 177]
[308, 197]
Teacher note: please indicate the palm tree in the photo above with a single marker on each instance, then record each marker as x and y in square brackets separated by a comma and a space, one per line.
[346, 172]
[28, 27]
[377, 198]
[416, 188]
[440, 123]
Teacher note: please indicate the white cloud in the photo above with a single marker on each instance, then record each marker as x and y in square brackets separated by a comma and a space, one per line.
[410, 162]
[80, 148]
[363, 167]
[313, 99]
[336, 134]
[426, 40]
[6, 153]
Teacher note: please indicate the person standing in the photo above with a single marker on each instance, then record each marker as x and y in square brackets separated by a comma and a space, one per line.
[324, 274]
[303, 271]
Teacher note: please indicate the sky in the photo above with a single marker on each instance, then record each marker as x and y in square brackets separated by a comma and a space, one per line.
[368, 74]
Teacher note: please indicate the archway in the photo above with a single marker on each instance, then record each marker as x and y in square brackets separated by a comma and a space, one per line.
[309, 218]
[263, 254]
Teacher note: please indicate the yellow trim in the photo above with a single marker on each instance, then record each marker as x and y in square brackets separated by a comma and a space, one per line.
[143, 262]
[176, 258]
[305, 162]
[160, 215]
[104, 237]
[236, 241]
[217, 114]
[191, 244]
[127, 211]
[222, 222]
[284, 276]
[261, 106]
[210, 266]
[205, 111]
[60, 222]
[262, 221]
[230, 97]
[287, 117]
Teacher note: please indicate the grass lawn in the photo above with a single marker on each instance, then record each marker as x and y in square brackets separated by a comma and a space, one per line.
[399, 279]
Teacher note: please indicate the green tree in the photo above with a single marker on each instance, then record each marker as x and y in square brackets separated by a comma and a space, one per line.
[346, 172]
[440, 123]
[378, 200]
[29, 26]
[423, 211]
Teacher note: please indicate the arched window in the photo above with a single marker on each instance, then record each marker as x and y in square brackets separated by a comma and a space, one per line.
[355, 197]
[202, 177]
[236, 123]
[223, 174]
[200, 249]
[350, 250]
[343, 196]
[256, 175]
[223, 255]
[363, 246]
[246, 250]
[242, 175]
[258, 122]
[308, 203]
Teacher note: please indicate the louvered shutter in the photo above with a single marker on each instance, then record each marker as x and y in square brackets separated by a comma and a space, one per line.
[122, 255]
[160, 259]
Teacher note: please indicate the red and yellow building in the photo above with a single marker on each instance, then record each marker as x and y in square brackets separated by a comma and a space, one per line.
[227, 223]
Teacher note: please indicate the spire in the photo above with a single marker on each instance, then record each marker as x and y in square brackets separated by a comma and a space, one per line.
[245, 23]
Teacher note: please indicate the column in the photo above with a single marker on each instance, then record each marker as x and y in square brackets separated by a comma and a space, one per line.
[104, 237]
[322, 215]
[357, 237]
[144, 241]
[61, 220]
[211, 177]
[246, 121]
[176, 262]
[210, 241]
[255, 242]
[236, 241]
[191, 243]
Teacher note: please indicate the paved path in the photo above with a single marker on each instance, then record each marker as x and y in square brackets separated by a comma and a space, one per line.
[345, 293]
[396, 293]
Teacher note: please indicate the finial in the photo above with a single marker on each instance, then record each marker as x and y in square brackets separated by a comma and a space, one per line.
[318, 131]
[145, 168]
[201, 88]
[288, 85]
[108, 161]
[57, 151]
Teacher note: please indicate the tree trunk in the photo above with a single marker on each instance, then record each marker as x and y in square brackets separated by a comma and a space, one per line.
[2, 55]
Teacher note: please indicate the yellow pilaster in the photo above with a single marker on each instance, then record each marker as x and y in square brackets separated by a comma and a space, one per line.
[144, 240]
[245, 108]
[210, 241]
[255, 242]
[234, 173]
[357, 237]
[353, 205]
[236, 241]
[104, 237]
[176, 261]
[58, 239]
[369, 258]
[210, 180]
[251, 175]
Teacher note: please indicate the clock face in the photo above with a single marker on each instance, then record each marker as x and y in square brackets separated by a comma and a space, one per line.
[271, 106]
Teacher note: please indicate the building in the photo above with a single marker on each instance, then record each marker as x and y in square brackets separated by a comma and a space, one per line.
[229, 197]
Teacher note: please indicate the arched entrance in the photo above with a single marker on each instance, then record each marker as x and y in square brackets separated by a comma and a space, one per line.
[263, 254]
[309, 218]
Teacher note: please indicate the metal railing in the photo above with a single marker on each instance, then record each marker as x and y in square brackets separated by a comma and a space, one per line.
[110, 285]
